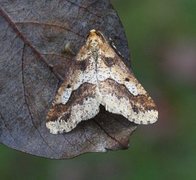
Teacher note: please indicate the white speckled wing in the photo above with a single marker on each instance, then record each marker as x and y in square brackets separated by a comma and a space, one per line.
[78, 112]
[82, 105]
[118, 100]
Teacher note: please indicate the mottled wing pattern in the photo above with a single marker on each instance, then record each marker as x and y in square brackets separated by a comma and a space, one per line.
[117, 99]
[82, 105]
[99, 76]
[121, 92]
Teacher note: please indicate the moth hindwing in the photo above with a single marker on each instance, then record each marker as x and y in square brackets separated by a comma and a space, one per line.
[99, 77]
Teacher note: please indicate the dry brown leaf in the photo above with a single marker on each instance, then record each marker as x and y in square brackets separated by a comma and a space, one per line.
[33, 62]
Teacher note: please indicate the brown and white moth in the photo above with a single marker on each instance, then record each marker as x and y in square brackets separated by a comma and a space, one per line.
[99, 77]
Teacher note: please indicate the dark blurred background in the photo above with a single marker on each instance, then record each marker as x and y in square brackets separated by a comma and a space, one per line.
[162, 39]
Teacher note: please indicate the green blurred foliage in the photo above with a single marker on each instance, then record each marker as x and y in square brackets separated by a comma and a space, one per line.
[166, 150]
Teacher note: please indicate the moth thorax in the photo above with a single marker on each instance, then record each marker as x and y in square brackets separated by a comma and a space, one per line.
[94, 44]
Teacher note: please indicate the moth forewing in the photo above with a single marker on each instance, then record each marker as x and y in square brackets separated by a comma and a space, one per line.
[100, 77]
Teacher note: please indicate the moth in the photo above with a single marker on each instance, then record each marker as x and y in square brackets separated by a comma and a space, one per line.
[99, 77]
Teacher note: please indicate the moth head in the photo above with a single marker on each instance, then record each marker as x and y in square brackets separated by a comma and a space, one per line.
[95, 39]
